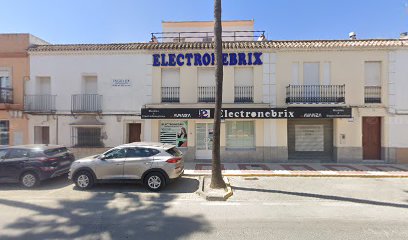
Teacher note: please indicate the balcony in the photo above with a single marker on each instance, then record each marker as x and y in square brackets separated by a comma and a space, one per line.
[206, 94]
[243, 94]
[6, 95]
[372, 94]
[86, 103]
[39, 103]
[170, 94]
[315, 94]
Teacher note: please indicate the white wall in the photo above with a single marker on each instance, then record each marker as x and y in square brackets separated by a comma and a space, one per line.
[67, 71]
[398, 81]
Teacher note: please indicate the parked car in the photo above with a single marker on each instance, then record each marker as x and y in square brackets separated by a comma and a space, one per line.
[153, 164]
[31, 164]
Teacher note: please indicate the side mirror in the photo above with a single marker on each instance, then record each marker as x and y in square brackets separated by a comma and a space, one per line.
[102, 157]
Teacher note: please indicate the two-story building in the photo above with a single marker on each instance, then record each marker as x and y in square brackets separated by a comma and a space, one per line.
[316, 100]
[14, 72]
[88, 96]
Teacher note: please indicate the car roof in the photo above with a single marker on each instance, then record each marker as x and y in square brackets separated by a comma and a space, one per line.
[36, 146]
[156, 145]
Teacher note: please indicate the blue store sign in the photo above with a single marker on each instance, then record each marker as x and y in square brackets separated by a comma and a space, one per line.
[206, 59]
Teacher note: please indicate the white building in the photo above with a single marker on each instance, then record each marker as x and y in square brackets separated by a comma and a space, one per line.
[87, 97]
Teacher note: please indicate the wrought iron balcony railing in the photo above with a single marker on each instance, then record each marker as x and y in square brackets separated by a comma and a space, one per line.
[243, 94]
[206, 94]
[6, 95]
[86, 103]
[170, 94]
[305, 94]
[39, 103]
[372, 94]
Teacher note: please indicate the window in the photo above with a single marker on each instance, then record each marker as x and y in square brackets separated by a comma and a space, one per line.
[18, 153]
[240, 134]
[244, 82]
[87, 137]
[5, 81]
[170, 85]
[115, 153]
[141, 152]
[311, 74]
[6, 91]
[206, 84]
[372, 82]
[4, 132]
[3, 153]
[90, 85]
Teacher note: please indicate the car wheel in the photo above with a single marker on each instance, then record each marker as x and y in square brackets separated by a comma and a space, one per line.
[29, 180]
[83, 180]
[154, 181]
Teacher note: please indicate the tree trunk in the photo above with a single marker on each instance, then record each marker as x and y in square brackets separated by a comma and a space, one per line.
[216, 178]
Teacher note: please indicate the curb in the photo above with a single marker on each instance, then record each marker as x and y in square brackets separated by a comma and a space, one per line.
[302, 175]
[217, 195]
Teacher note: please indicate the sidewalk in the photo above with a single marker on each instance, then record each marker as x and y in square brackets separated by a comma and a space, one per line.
[301, 169]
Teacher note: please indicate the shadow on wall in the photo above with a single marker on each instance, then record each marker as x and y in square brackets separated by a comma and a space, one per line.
[105, 215]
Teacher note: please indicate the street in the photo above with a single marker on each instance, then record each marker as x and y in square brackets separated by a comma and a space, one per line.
[261, 208]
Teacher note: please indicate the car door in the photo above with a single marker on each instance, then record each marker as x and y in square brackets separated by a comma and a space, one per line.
[3, 153]
[110, 164]
[14, 163]
[138, 160]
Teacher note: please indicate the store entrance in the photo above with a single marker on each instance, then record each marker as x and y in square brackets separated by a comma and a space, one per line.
[204, 140]
[310, 140]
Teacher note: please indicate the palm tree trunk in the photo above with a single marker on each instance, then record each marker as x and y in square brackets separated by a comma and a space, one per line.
[216, 178]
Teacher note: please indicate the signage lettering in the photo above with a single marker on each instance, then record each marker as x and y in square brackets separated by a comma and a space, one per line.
[206, 59]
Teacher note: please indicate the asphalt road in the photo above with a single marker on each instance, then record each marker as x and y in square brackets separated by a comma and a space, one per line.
[261, 208]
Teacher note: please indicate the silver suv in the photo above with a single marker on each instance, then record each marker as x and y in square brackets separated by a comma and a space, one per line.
[154, 164]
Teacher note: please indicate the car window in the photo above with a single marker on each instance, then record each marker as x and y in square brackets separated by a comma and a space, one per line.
[36, 153]
[18, 153]
[115, 153]
[3, 153]
[141, 152]
[55, 151]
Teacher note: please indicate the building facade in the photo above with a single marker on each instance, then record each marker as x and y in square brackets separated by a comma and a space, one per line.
[14, 72]
[315, 101]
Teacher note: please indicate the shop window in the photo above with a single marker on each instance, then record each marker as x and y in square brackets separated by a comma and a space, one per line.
[87, 137]
[240, 134]
[4, 132]
[174, 133]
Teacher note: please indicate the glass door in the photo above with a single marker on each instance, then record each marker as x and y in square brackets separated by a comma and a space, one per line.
[204, 140]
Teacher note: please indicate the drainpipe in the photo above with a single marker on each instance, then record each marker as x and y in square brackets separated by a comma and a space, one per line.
[56, 130]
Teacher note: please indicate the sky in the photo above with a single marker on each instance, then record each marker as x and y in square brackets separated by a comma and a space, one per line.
[108, 21]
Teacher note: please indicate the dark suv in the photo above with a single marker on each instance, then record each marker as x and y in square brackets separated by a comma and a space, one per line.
[30, 164]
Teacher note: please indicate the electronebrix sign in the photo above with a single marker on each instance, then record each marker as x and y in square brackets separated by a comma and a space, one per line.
[206, 59]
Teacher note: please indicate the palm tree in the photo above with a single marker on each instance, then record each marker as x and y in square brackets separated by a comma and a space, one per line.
[216, 178]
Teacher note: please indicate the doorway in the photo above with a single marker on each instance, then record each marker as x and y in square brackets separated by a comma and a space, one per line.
[204, 140]
[42, 135]
[371, 138]
[134, 132]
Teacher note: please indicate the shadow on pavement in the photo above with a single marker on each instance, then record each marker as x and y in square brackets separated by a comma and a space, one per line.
[102, 216]
[181, 185]
[327, 197]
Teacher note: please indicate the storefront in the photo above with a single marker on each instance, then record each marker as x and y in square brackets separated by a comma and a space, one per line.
[244, 131]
